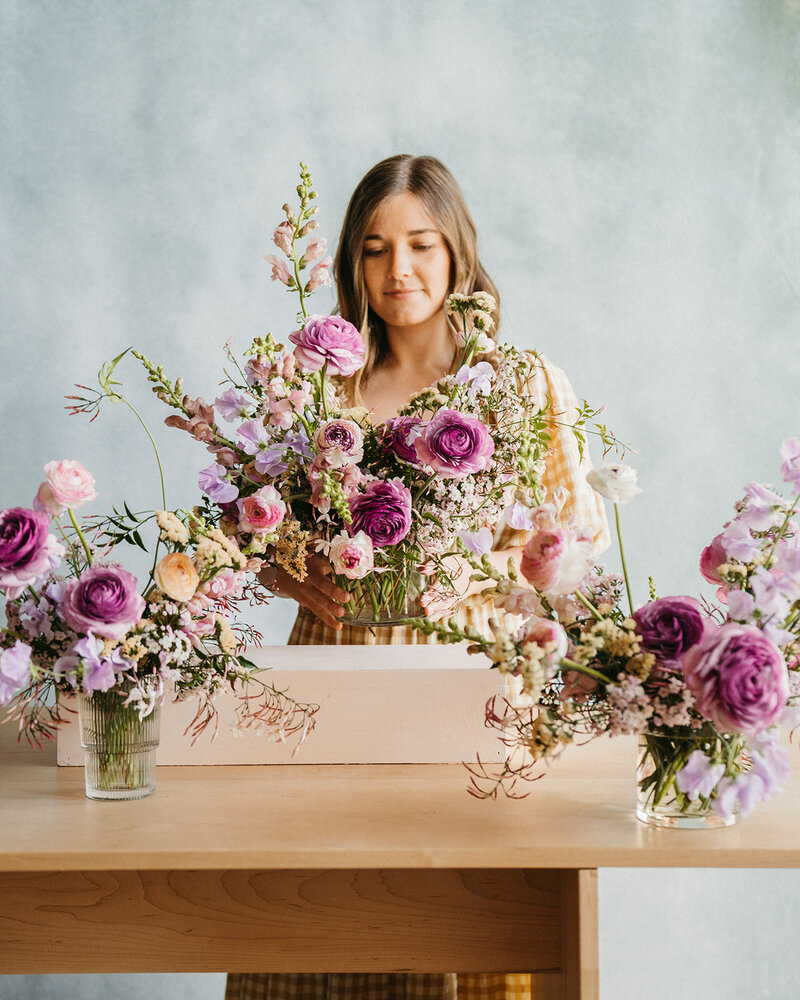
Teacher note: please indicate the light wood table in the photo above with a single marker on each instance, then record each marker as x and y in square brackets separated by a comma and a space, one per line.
[336, 868]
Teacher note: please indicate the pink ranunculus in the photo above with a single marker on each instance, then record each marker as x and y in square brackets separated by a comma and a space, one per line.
[104, 600]
[67, 484]
[739, 678]
[282, 237]
[228, 583]
[280, 272]
[352, 557]
[328, 340]
[790, 468]
[261, 512]
[558, 561]
[338, 443]
[320, 274]
[455, 444]
[711, 558]
[383, 511]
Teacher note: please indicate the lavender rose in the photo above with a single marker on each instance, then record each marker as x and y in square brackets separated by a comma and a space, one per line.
[27, 549]
[670, 626]
[739, 678]
[455, 445]
[328, 340]
[398, 436]
[104, 600]
[383, 511]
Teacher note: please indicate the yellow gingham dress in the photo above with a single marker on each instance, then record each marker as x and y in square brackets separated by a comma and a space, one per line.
[564, 468]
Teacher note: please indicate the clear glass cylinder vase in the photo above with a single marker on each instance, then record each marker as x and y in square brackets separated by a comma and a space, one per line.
[385, 598]
[119, 748]
[659, 800]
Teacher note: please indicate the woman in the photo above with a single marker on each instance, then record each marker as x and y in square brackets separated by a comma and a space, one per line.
[407, 242]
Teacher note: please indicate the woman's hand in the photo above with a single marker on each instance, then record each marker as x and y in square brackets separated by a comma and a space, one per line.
[317, 592]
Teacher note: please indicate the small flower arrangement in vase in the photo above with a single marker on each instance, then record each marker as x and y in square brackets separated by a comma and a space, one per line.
[705, 687]
[303, 469]
[78, 623]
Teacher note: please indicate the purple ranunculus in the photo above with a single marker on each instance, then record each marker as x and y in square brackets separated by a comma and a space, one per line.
[339, 443]
[455, 445]
[213, 483]
[669, 626]
[738, 677]
[103, 600]
[382, 511]
[398, 435]
[27, 549]
[328, 340]
[15, 670]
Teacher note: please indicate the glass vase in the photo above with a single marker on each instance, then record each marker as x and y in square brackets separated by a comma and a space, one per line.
[119, 748]
[659, 801]
[385, 598]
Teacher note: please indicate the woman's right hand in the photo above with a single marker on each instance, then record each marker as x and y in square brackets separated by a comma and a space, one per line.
[317, 592]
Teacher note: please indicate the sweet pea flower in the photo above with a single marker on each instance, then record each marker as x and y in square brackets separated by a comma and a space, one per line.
[104, 600]
[738, 678]
[616, 482]
[763, 509]
[518, 516]
[352, 557]
[176, 575]
[233, 405]
[790, 469]
[698, 778]
[738, 542]
[280, 272]
[320, 274]
[15, 670]
[328, 340]
[213, 483]
[261, 512]
[478, 378]
[478, 542]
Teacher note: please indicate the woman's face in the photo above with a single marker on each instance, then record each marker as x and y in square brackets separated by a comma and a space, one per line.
[406, 263]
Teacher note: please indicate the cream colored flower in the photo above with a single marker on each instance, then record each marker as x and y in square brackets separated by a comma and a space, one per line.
[172, 528]
[176, 575]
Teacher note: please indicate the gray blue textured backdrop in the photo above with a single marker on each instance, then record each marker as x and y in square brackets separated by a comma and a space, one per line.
[634, 170]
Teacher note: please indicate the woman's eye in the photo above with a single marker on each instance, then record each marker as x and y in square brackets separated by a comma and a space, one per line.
[373, 253]
[423, 246]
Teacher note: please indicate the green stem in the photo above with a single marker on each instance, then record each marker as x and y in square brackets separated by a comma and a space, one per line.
[155, 449]
[81, 535]
[322, 389]
[574, 665]
[588, 604]
[622, 557]
[779, 533]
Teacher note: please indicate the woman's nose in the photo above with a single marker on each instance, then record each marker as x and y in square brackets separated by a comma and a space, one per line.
[399, 263]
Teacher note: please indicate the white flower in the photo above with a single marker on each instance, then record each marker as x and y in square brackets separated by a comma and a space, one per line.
[615, 482]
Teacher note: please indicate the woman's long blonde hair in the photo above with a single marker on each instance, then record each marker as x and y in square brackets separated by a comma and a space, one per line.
[431, 181]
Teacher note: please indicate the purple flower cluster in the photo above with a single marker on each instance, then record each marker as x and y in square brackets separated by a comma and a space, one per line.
[455, 444]
[104, 600]
[27, 549]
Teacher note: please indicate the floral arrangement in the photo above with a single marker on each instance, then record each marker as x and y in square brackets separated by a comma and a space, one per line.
[300, 471]
[77, 621]
[706, 686]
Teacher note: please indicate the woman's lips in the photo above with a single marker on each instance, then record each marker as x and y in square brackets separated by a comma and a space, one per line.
[402, 293]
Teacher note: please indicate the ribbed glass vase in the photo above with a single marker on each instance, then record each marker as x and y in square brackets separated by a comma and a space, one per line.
[383, 598]
[119, 748]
